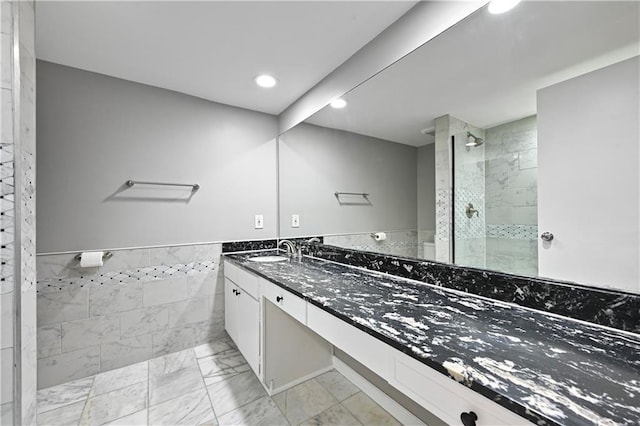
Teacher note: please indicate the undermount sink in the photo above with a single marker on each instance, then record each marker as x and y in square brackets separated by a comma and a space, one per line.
[268, 259]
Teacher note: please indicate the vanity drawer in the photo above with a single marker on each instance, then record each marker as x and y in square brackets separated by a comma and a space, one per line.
[445, 397]
[243, 279]
[291, 304]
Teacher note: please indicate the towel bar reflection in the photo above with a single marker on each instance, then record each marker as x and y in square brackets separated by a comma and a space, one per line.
[194, 186]
[362, 194]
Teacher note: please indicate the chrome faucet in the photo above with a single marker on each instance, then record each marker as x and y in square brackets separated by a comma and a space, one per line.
[290, 247]
[313, 240]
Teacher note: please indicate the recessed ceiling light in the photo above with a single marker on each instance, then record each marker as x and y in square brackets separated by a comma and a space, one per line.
[338, 103]
[265, 80]
[501, 6]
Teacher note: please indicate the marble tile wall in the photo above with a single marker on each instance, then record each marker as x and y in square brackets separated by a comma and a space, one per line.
[511, 197]
[17, 220]
[468, 178]
[398, 243]
[142, 303]
[6, 220]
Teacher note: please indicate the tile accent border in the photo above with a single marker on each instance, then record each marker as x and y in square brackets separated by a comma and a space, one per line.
[608, 307]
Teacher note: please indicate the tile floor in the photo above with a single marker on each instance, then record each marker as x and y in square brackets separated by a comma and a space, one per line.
[207, 385]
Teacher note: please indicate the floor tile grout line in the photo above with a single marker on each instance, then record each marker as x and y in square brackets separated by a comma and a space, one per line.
[378, 405]
[246, 403]
[333, 406]
[206, 389]
[86, 401]
[279, 409]
[148, 405]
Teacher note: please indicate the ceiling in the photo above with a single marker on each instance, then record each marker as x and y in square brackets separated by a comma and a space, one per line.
[212, 49]
[486, 69]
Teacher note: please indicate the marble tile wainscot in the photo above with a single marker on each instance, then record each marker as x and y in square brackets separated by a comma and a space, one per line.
[141, 304]
[609, 307]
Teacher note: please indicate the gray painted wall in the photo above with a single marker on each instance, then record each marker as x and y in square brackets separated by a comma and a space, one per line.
[95, 132]
[426, 156]
[315, 162]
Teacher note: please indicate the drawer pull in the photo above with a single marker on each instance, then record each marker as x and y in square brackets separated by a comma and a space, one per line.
[279, 298]
[469, 419]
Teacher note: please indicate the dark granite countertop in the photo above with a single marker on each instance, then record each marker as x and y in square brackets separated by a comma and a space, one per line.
[547, 368]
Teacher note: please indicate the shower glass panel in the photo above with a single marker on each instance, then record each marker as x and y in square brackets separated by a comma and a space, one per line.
[495, 197]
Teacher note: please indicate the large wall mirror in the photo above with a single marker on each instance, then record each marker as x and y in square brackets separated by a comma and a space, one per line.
[500, 129]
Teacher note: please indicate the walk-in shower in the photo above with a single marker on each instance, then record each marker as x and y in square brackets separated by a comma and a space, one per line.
[494, 198]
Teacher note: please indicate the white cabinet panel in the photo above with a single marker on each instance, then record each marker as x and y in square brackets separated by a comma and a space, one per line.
[445, 397]
[249, 330]
[230, 309]
[242, 313]
[366, 349]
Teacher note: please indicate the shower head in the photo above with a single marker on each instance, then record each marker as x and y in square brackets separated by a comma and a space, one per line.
[473, 140]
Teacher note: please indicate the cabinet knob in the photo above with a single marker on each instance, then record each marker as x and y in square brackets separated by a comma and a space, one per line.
[469, 419]
[546, 236]
[279, 298]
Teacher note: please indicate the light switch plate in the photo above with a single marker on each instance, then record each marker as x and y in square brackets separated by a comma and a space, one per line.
[295, 220]
[259, 222]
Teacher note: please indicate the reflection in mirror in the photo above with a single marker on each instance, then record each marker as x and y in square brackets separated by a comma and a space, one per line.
[464, 149]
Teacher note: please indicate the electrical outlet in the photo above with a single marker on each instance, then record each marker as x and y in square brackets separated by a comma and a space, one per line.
[259, 222]
[295, 220]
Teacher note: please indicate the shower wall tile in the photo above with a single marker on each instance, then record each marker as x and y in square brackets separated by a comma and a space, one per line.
[183, 337]
[141, 303]
[398, 243]
[17, 153]
[200, 284]
[184, 254]
[528, 159]
[6, 366]
[6, 410]
[126, 352]
[188, 312]
[6, 320]
[68, 366]
[89, 332]
[49, 340]
[68, 304]
[165, 291]
[113, 298]
[144, 321]
[511, 197]
[525, 215]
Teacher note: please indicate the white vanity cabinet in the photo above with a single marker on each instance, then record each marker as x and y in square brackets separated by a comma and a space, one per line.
[287, 340]
[242, 313]
[437, 393]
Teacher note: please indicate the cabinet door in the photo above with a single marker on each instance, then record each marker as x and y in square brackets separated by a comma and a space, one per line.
[249, 330]
[231, 309]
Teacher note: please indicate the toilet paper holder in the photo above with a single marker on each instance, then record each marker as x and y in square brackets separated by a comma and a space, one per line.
[105, 256]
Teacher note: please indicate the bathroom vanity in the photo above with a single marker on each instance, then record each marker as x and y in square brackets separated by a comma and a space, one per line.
[452, 352]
